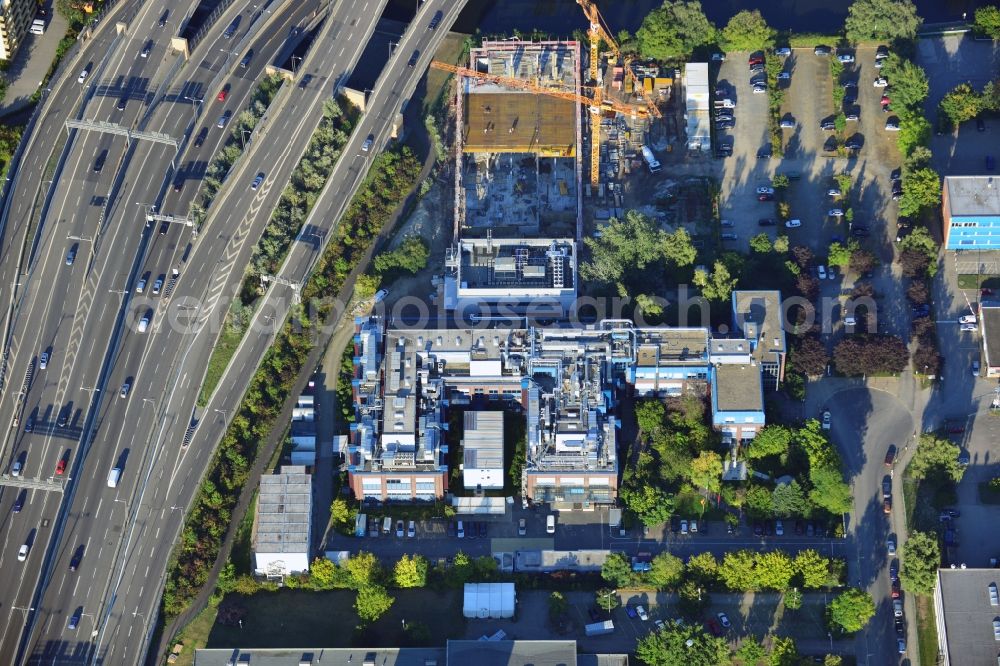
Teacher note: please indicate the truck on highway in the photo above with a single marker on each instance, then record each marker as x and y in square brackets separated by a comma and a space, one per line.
[651, 161]
[599, 628]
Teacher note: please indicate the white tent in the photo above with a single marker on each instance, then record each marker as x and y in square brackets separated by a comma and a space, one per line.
[489, 600]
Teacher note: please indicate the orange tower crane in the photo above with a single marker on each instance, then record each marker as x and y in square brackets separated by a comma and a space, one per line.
[596, 103]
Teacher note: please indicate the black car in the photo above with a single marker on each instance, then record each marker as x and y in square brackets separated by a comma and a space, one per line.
[764, 152]
[766, 222]
[675, 524]
[853, 145]
[163, 228]
[860, 232]
[758, 529]
[482, 530]
[29, 424]
[894, 570]
[77, 558]
[769, 527]
[799, 528]
[63, 418]
[896, 174]
[412, 62]
[452, 528]
[900, 627]
[436, 20]
[724, 114]
[121, 103]
[828, 125]
[200, 139]
[980, 124]
[19, 502]
[725, 124]
[163, 18]
[306, 80]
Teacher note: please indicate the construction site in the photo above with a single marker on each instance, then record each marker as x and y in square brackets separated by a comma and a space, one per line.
[547, 133]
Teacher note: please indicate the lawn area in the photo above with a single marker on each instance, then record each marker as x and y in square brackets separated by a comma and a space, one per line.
[242, 553]
[229, 340]
[293, 618]
[450, 51]
[977, 281]
[926, 631]
[195, 635]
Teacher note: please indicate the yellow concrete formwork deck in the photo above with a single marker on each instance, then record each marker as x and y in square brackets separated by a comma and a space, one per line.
[518, 122]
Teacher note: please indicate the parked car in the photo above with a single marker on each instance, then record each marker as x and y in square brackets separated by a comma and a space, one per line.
[779, 528]
[792, 224]
[821, 272]
[724, 620]
[684, 527]
[783, 51]
[521, 527]
[845, 58]
[887, 507]
[894, 570]
[890, 545]
[764, 189]
[892, 125]
[765, 222]
[641, 612]
[452, 530]
[714, 627]
[759, 89]
[411, 529]
[880, 82]
[895, 589]
[399, 528]
[822, 50]
[765, 197]
[835, 212]
[980, 124]
[826, 419]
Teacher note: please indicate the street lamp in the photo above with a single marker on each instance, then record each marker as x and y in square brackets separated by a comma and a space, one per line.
[295, 69]
[608, 595]
[197, 102]
[243, 138]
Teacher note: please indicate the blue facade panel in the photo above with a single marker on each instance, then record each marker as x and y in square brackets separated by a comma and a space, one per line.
[980, 232]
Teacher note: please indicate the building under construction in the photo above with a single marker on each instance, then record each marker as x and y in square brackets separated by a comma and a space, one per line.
[518, 170]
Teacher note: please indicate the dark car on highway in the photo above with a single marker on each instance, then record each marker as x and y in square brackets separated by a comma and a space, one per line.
[74, 563]
[200, 139]
[890, 455]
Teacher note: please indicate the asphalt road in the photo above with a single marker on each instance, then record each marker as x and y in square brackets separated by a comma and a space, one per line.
[77, 325]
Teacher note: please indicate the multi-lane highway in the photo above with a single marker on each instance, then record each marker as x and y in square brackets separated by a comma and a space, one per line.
[116, 393]
[69, 308]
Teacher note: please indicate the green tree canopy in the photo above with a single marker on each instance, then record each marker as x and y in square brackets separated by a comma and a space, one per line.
[850, 610]
[772, 440]
[922, 190]
[783, 652]
[706, 471]
[650, 503]
[410, 571]
[607, 599]
[761, 243]
[665, 570]
[988, 21]
[411, 256]
[919, 563]
[617, 569]
[747, 31]
[630, 245]
[960, 104]
[717, 285]
[881, 19]
[829, 491]
[372, 603]
[909, 83]
[703, 569]
[650, 414]
[682, 645]
[788, 499]
[674, 30]
[840, 253]
[759, 502]
[364, 569]
[936, 457]
[812, 568]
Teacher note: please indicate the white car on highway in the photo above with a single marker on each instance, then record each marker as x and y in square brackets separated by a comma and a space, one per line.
[83, 75]
[22, 554]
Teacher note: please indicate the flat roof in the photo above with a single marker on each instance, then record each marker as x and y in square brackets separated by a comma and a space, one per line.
[968, 616]
[518, 122]
[973, 195]
[512, 653]
[672, 344]
[322, 656]
[989, 314]
[525, 263]
[482, 440]
[738, 388]
[284, 508]
[759, 317]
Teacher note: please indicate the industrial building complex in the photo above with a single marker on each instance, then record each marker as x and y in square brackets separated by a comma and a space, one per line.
[564, 383]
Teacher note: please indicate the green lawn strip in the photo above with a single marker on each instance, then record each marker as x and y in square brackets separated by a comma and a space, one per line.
[224, 349]
[926, 631]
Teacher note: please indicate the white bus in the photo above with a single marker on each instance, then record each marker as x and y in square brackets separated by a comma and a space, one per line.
[651, 161]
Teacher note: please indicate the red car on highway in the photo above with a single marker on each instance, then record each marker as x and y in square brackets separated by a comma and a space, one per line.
[60, 466]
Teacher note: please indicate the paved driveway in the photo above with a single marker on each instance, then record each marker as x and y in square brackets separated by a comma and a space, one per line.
[743, 172]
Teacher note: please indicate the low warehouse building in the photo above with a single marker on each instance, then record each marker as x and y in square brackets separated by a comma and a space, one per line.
[489, 600]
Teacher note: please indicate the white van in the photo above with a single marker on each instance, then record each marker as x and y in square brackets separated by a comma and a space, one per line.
[144, 323]
[550, 523]
[37, 27]
[387, 525]
[114, 476]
